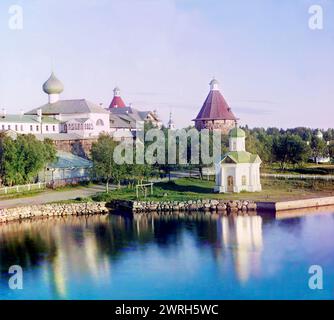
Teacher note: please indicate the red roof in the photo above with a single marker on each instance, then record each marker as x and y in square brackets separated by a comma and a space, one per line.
[117, 102]
[215, 108]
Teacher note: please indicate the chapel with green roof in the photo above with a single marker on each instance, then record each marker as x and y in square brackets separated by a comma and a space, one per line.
[238, 170]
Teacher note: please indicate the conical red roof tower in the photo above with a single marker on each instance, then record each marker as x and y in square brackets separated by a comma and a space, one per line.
[117, 101]
[215, 113]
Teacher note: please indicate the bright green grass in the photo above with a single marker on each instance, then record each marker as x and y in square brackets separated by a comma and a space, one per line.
[191, 189]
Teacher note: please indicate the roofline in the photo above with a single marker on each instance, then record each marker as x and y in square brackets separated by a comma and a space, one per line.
[198, 119]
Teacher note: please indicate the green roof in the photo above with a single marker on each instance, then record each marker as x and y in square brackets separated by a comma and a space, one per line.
[241, 157]
[237, 133]
[49, 120]
[66, 160]
[17, 118]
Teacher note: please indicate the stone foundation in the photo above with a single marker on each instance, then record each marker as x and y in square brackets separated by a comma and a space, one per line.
[177, 206]
[52, 210]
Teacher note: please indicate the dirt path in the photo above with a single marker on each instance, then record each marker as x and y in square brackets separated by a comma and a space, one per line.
[52, 196]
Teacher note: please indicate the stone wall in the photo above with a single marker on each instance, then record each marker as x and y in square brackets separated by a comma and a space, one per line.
[50, 210]
[222, 125]
[191, 205]
[80, 147]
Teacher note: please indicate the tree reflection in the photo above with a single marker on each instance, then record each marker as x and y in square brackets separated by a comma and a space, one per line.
[73, 246]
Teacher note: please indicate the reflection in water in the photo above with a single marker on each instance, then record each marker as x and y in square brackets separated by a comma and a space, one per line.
[97, 253]
[88, 245]
[61, 246]
[244, 234]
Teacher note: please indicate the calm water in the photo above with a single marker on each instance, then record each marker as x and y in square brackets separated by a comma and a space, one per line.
[195, 257]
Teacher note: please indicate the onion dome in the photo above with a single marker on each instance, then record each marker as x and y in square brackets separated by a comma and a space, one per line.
[53, 85]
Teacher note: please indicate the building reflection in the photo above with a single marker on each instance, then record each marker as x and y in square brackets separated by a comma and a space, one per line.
[63, 248]
[66, 249]
[243, 235]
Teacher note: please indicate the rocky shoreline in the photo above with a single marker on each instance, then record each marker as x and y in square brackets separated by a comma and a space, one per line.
[191, 205]
[52, 210]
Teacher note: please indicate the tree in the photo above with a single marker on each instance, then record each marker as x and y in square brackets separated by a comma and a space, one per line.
[260, 143]
[104, 165]
[23, 158]
[331, 151]
[319, 148]
[289, 148]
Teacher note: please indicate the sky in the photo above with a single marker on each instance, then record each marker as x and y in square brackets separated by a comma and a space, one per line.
[274, 71]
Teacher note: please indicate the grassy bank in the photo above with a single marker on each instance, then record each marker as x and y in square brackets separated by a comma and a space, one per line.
[192, 188]
[311, 168]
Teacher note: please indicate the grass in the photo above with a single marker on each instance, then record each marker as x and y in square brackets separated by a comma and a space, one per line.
[309, 168]
[24, 194]
[32, 193]
[193, 189]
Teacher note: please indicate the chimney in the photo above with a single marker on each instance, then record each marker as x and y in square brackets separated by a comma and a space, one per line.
[39, 115]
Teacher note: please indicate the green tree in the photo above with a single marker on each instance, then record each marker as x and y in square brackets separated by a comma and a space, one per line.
[260, 143]
[104, 166]
[289, 148]
[319, 148]
[23, 158]
[331, 151]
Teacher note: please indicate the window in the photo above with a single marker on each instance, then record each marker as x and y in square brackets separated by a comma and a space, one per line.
[244, 180]
[31, 129]
[3, 127]
[37, 128]
[47, 128]
[21, 127]
[100, 122]
[54, 128]
[16, 128]
[9, 127]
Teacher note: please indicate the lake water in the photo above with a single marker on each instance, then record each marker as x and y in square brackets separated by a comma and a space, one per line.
[192, 257]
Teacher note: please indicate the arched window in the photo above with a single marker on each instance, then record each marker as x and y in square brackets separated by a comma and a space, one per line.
[100, 122]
